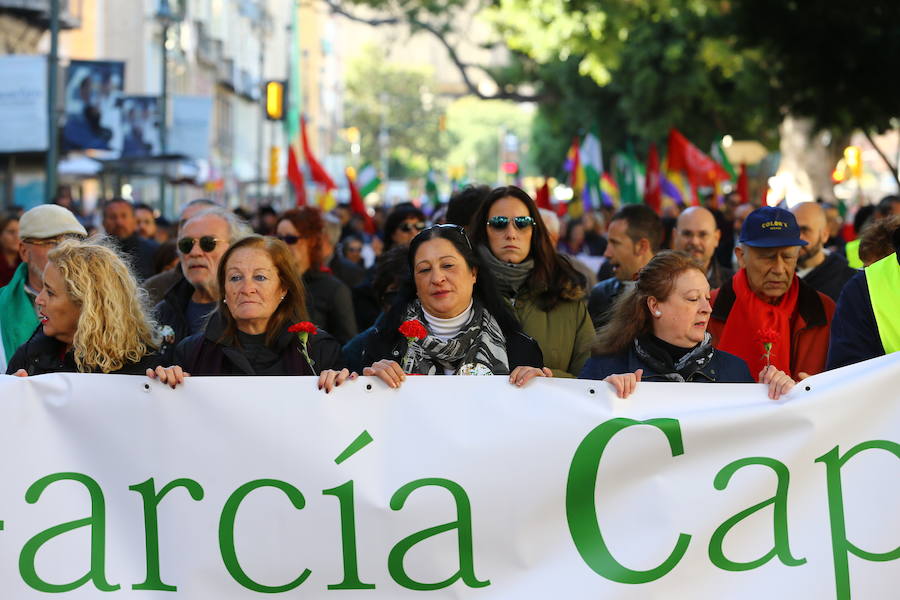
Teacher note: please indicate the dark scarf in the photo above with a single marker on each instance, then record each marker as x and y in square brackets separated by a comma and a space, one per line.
[653, 352]
[478, 349]
[510, 276]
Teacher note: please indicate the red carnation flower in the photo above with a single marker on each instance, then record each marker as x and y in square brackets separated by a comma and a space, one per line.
[303, 327]
[767, 336]
[413, 330]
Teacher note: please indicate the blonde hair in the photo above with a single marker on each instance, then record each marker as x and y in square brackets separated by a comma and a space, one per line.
[114, 328]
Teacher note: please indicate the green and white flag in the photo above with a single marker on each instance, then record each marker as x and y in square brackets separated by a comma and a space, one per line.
[431, 189]
[367, 179]
[718, 155]
[591, 158]
[629, 176]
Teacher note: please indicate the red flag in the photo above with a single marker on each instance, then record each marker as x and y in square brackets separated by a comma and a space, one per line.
[542, 196]
[701, 170]
[358, 206]
[743, 187]
[295, 176]
[652, 187]
[318, 173]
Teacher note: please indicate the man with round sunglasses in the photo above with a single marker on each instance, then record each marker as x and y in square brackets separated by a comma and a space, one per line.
[202, 241]
[159, 284]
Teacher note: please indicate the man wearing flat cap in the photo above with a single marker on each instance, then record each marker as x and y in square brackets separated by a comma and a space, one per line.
[40, 230]
[766, 314]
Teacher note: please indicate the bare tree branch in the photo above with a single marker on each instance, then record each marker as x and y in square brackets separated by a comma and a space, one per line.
[461, 66]
[892, 167]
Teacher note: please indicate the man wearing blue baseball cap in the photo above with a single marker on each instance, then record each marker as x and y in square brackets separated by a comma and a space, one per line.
[765, 314]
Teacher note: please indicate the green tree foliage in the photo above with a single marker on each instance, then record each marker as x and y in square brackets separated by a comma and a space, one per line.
[632, 70]
[833, 62]
[405, 100]
[475, 128]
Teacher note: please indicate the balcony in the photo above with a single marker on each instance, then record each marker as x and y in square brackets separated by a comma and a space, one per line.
[37, 12]
[250, 86]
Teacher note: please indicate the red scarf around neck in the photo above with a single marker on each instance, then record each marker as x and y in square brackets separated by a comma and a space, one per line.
[753, 321]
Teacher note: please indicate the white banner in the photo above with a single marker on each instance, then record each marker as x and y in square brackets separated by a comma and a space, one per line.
[23, 103]
[454, 487]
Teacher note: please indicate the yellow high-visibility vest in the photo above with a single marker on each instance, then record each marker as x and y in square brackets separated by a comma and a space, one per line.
[852, 252]
[883, 279]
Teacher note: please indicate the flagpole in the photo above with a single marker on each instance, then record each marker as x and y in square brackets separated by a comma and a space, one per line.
[52, 94]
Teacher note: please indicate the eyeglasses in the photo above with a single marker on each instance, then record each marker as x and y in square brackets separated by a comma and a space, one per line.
[407, 227]
[290, 240]
[207, 244]
[500, 223]
[47, 242]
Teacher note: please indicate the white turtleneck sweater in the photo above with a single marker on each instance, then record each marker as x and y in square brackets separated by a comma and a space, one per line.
[444, 329]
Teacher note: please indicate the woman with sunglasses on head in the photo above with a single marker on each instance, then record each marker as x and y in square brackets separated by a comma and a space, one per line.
[328, 300]
[462, 325]
[545, 291]
[203, 240]
[251, 332]
[94, 318]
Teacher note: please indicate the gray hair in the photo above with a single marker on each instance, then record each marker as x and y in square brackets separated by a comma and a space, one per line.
[195, 202]
[551, 221]
[237, 227]
[332, 228]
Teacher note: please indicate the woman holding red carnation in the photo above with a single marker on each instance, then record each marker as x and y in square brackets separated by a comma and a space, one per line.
[259, 326]
[449, 319]
[658, 333]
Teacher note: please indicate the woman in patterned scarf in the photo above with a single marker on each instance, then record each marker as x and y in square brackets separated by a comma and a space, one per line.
[465, 327]
[658, 333]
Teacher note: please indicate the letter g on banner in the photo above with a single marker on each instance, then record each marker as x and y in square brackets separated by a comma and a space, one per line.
[581, 509]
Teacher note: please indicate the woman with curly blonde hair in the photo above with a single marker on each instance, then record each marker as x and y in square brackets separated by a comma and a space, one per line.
[94, 318]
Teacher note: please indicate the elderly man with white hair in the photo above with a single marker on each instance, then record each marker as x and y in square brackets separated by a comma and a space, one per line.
[203, 240]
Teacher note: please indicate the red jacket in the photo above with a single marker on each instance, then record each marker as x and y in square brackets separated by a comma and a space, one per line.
[810, 326]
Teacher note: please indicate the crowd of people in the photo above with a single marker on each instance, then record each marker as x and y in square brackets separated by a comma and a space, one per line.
[488, 284]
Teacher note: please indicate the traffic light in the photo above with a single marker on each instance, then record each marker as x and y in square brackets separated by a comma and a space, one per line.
[275, 100]
[510, 167]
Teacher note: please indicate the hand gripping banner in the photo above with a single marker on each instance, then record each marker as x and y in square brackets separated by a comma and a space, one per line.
[450, 487]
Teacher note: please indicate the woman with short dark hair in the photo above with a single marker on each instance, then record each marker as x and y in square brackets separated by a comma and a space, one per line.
[328, 299]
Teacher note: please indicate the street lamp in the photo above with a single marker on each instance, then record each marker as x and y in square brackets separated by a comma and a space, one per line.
[166, 17]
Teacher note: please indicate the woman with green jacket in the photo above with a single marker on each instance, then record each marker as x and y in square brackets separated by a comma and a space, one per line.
[547, 293]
